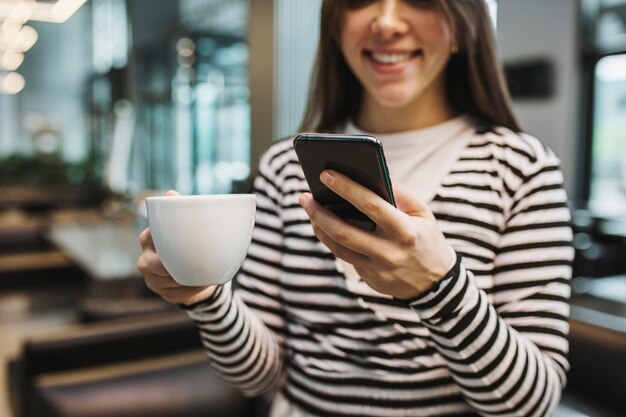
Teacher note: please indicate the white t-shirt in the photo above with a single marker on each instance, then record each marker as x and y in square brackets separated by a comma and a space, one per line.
[420, 159]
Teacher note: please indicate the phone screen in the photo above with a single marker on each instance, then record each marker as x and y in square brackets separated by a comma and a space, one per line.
[359, 157]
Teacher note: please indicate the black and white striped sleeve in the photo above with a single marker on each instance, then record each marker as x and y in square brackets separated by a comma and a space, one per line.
[242, 329]
[509, 356]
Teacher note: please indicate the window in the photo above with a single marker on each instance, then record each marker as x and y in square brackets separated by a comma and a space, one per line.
[604, 153]
[608, 156]
[600, 222]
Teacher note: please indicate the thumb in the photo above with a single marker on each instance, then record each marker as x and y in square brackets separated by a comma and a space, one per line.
[408, 203]
[172, 193]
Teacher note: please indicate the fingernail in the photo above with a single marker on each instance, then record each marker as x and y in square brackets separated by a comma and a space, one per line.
[327, 178]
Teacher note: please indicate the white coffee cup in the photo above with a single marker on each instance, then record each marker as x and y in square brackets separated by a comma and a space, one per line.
[202, 240]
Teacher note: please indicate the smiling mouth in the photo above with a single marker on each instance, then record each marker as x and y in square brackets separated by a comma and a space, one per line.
[391, 58]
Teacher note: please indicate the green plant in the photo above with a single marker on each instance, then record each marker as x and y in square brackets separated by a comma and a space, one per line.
[46, 171]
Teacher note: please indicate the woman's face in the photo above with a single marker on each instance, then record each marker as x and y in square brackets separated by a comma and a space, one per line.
[398, 49]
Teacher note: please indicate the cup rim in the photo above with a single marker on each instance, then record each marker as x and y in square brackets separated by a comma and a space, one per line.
[202, 197]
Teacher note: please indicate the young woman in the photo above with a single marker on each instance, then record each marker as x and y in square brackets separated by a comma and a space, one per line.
[454, 307]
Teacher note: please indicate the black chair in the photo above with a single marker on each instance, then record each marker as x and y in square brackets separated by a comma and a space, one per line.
[598, 366]
[144, 366]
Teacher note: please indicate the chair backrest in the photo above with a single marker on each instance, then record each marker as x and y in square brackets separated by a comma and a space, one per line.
[111, 341]
[598, 363]
[175, 385]
[97, 345]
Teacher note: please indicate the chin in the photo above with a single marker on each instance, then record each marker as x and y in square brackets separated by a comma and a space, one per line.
[395, 96]
[394, 101]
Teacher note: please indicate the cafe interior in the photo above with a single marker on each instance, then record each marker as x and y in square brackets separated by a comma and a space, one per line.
[106, 102]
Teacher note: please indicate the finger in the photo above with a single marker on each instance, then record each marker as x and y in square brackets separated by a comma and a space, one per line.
[145, 239]
[180, 295]
[172, 193]
[365, 200]
[154, 264]
[345, 235]
[159, 283]
[409, 204]
[340, 251]
[149, 262]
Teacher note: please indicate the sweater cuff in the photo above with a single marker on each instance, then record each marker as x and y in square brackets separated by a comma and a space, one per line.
[444, 299]
[211, 304]
[217, 316]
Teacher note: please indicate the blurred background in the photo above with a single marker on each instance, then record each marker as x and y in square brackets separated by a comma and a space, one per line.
[105, 102]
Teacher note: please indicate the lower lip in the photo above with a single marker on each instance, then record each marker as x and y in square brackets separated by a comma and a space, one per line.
[396, 68]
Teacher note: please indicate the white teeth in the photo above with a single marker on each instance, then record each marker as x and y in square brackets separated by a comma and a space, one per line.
[390, 59]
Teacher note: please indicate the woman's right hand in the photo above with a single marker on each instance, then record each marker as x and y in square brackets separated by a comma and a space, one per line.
[160, 281]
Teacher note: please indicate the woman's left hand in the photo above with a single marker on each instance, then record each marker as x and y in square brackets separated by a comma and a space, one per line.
[406, 254]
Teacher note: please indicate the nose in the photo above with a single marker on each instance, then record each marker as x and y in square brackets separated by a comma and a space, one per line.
[388, 23]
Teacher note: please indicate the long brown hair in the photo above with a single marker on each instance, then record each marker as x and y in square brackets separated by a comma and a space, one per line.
[474, 77]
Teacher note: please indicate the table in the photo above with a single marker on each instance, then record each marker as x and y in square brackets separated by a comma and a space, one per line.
[108, 253]
[600, 301]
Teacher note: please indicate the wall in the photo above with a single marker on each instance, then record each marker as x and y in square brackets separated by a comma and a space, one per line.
[283, 40]
[261, 44]
[547, 28]
[296, 38]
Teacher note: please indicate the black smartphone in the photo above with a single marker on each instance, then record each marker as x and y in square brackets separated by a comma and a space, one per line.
[359, 157]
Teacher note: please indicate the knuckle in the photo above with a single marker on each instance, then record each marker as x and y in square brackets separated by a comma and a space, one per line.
[150, 263]
[372, 205]
[407, 239]
[341, 187]
[145, 237]
[141, 264]
[340, 235]
[387, 261]
[392, 259]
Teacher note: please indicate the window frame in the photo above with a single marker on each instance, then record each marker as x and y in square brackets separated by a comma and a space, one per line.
[590, 55]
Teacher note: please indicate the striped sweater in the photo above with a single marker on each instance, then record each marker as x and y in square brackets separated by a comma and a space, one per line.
[490, 338]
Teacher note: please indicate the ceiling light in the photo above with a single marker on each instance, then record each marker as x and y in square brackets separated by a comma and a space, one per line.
[11, 60]
[22, 11]
[16, 38]
[64, 9]
[25, 39]
[21, 41]
[58, 12]
[11, 83]
[17, 10]
[9, 29]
